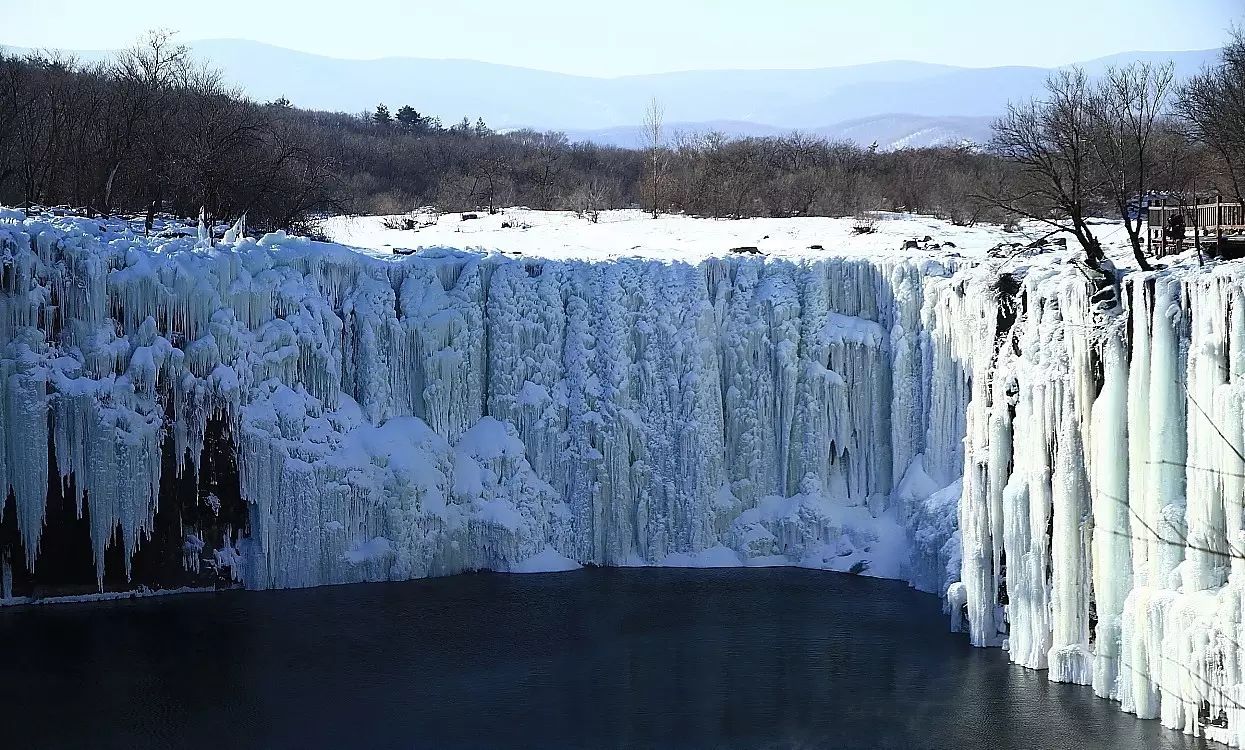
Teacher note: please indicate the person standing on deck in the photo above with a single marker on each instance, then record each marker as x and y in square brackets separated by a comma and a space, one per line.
[1175, 230]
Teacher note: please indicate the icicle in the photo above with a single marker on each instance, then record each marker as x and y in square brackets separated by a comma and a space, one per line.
[1112, 568]
[235, 232]
[205, 233]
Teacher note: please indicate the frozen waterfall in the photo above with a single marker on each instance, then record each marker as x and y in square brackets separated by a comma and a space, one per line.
[1069, 461]
[452, 411]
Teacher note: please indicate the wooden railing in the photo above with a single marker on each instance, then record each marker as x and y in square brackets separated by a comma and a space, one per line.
[1213, 219]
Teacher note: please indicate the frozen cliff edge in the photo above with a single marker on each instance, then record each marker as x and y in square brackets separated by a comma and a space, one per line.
[375, 419]
[1103, 514]
[387, 419]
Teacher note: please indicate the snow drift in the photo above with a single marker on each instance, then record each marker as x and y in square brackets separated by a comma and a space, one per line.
[450, 411]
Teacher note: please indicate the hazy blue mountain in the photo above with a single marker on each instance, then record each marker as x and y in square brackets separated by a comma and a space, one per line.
[516, 97]
[889, 131]
[971, 92]
[940, 103]
[630, 136]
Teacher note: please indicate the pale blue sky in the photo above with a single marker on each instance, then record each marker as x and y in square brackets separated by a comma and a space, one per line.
[645, 36]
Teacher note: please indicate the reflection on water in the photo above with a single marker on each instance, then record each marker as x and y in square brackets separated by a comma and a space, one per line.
[595, 658]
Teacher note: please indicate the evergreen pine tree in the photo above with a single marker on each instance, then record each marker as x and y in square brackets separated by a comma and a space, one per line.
[410, 119]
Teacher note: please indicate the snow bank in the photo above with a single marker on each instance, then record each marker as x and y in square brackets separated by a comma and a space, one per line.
[631, 233]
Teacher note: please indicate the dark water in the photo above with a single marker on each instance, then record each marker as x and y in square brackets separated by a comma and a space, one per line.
[595, 658]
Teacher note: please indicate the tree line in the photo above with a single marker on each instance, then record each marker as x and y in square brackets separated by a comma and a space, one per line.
[151, 130]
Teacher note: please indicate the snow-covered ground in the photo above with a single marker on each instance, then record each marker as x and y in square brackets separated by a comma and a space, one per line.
[1064, 447]
[561, 235]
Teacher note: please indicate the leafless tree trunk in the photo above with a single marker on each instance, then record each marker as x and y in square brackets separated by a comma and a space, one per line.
[150, 71]
[1213, 104]
[1051, 141]
[1126, 104]
[652, 134]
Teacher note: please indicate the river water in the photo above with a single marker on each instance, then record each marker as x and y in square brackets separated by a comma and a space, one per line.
[645, 658]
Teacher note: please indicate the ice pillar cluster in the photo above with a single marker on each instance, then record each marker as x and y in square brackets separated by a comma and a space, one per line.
[1101, 516]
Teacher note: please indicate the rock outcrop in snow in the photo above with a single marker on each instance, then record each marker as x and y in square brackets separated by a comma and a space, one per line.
[451, 411]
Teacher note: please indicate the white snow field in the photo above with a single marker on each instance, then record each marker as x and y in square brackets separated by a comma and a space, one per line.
[1073, 467]
[560, 235]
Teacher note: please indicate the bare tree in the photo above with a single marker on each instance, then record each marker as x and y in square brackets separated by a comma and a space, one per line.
[1052, 142]
[150, 73]
[589, 198]
[1212, 103]
[539, 165]
[1125, 106]
[651, 131]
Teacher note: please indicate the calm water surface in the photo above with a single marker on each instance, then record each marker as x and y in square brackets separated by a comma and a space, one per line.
[775, 658]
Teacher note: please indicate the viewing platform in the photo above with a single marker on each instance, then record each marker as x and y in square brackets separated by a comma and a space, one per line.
[1211, 224]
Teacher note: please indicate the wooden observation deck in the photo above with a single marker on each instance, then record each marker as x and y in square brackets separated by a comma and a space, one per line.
[1209, 223]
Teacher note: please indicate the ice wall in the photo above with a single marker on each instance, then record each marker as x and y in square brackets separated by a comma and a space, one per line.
[1101, 516]
[398, 418]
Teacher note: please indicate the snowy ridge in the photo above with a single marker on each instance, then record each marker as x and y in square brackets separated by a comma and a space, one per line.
[446, 411]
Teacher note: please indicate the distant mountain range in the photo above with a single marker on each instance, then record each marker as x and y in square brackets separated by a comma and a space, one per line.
[890, 131]
[895, 104]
